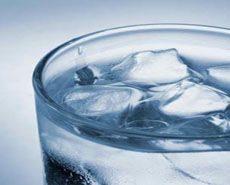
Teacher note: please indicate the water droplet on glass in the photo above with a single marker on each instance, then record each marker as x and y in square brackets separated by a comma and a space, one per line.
[79, 50]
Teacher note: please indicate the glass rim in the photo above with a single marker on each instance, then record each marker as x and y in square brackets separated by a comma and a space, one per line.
[41, 92]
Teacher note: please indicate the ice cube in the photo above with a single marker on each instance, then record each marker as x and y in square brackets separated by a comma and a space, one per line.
[151, 68]
[219, 76]
[207, 126]
[144, 111]
[87, 75]
[221, 120]
[188, 99]
[105, 103]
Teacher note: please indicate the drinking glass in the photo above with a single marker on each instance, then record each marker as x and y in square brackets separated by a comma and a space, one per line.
[78, 150]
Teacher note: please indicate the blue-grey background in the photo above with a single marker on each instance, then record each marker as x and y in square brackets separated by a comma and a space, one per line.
[30, 28]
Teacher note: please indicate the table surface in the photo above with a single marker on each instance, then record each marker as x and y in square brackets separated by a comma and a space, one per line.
[29, 28]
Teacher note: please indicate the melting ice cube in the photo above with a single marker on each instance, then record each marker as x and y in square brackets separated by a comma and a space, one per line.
[87, 75]
[143, 112]
[219, 76]
[210, 125]
[104, 103]
[188, 99]
[151, 68]
[221, 120]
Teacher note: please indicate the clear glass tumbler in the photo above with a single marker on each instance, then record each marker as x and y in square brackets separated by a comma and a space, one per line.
[77, 150]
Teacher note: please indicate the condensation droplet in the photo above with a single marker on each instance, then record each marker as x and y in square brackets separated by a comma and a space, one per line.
[79, 50]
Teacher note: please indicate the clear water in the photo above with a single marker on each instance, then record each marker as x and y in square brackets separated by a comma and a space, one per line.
[150, 92]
